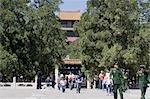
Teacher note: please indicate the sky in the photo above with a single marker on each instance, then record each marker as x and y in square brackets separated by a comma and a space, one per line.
[72, 5]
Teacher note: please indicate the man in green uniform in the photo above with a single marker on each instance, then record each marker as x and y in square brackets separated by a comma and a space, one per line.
[143, 80]
[126, 75]
[117, 78]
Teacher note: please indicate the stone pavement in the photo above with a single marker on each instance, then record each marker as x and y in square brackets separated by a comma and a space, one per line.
[55, 94]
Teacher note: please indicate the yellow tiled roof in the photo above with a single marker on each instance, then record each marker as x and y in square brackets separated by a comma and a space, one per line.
[69, 15]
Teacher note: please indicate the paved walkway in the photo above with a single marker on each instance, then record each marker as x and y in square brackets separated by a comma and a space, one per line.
[55, 94]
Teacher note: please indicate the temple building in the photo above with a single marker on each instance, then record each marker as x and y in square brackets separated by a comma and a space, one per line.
[67, 20]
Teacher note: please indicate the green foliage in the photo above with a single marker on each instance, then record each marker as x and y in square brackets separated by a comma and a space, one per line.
[7, 63]
[73, 49]
[109, 33]
[31, 31]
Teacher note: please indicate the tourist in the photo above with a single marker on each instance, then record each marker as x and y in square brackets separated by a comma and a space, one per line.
[101, 80]
[52, 79]
[96, 81]
[79, 80]
[108, 82]
[39, 79]
[62, 83]
[47, 81]
[58, 82]
[71, 80]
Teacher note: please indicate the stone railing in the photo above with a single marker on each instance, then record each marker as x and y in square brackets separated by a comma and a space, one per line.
[19, 85]
[15, 84]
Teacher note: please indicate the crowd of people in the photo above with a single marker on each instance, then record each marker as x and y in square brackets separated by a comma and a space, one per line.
[72, 80]
[112, 81]
[118, 80]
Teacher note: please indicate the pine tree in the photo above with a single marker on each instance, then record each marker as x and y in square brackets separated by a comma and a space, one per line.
[110, 34]
[31, 31]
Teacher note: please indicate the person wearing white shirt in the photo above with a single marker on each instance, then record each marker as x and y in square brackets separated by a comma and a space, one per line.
[62, 83]
[108, 82]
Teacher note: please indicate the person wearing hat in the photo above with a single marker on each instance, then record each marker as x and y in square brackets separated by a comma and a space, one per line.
[142, 75]
[117, 78]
